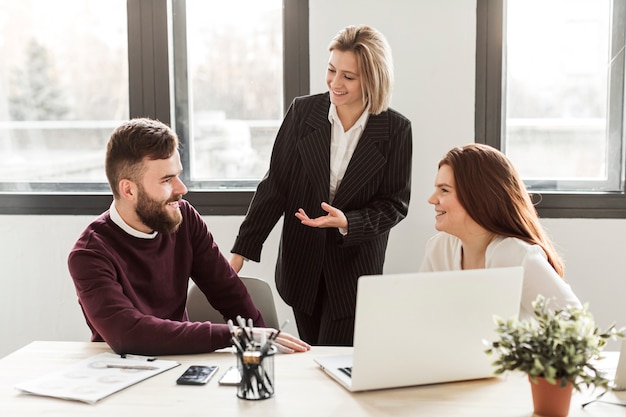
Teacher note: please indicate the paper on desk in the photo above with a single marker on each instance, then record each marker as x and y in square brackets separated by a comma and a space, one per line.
[96, 377]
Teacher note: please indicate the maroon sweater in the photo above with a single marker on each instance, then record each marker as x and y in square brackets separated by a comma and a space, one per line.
[133, 291]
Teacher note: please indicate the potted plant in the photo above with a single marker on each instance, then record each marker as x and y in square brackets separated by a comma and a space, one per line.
[556, 349]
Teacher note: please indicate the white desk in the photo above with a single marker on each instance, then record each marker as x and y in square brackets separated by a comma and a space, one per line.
[302, 390]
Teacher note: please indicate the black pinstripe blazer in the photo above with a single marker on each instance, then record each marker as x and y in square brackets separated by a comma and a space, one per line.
[374, 196]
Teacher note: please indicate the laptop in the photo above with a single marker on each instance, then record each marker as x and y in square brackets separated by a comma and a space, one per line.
[613, 368]
[619, 378]
[425, 328]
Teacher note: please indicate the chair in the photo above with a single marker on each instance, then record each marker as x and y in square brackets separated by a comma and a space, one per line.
[199, 309]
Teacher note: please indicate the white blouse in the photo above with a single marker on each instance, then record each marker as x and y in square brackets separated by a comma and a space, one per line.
[443, 253]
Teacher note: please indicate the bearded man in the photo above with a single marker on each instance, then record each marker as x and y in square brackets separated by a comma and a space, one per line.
[131, 266]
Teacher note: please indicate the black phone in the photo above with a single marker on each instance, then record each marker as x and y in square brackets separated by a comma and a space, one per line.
[197, 375]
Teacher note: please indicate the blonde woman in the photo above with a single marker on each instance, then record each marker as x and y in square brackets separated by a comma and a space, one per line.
[340, 174]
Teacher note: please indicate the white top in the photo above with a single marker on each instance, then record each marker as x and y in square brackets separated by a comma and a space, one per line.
[117, 219]
[342, 146]
[443, 253]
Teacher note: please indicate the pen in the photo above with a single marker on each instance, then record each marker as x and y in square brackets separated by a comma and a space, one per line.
[137, 367]
[251, 326]
[275, 335]
[146, 358]
[242, 325]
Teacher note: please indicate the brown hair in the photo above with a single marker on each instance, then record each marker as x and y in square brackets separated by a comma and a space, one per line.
[490, 189]
[373, 55]
[133, 142]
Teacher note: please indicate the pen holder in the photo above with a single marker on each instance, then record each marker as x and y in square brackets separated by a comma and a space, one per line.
[257, 373]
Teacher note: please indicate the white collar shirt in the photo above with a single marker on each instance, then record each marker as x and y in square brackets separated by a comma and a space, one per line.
[342, 146]
[117, 219]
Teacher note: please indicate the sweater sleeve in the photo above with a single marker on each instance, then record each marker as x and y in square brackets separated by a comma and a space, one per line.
[114, 318]
[134, 298]
[213, 274]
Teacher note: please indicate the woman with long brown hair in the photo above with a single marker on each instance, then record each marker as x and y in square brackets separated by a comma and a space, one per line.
[486, 219]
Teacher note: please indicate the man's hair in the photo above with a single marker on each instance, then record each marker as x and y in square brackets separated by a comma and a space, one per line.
[490, 189]
[373, 55]
[131, 143]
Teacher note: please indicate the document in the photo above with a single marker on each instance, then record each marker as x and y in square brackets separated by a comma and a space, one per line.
[96, 377]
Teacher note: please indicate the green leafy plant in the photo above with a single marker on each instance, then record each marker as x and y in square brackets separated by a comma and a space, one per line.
[560, 345]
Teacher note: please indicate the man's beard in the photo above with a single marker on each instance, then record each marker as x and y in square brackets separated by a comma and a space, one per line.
[154, 214]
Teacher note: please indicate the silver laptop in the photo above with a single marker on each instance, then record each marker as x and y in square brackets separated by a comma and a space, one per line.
[614, 369]
[619, 378]
[425, 328]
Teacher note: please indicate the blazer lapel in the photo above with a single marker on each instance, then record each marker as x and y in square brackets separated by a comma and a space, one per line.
[366, 161]
[314, 149]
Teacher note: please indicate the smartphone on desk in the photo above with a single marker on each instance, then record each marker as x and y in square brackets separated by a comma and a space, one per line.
[197, 375]
[231, 377]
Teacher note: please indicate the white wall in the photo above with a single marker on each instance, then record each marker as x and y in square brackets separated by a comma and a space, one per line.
[434, 45]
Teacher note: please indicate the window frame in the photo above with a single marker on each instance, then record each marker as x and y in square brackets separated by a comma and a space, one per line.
[488, 114]
[151, 94]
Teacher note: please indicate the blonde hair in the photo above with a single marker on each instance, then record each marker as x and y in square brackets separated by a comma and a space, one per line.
[373, 55]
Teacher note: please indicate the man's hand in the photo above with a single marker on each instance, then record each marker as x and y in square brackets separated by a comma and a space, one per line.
[334, 218]
[236, 261]
[284, 342]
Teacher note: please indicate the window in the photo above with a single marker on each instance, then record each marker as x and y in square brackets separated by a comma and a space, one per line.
[550, 94]
[220, 77]
[65, 89]
[235, 91]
